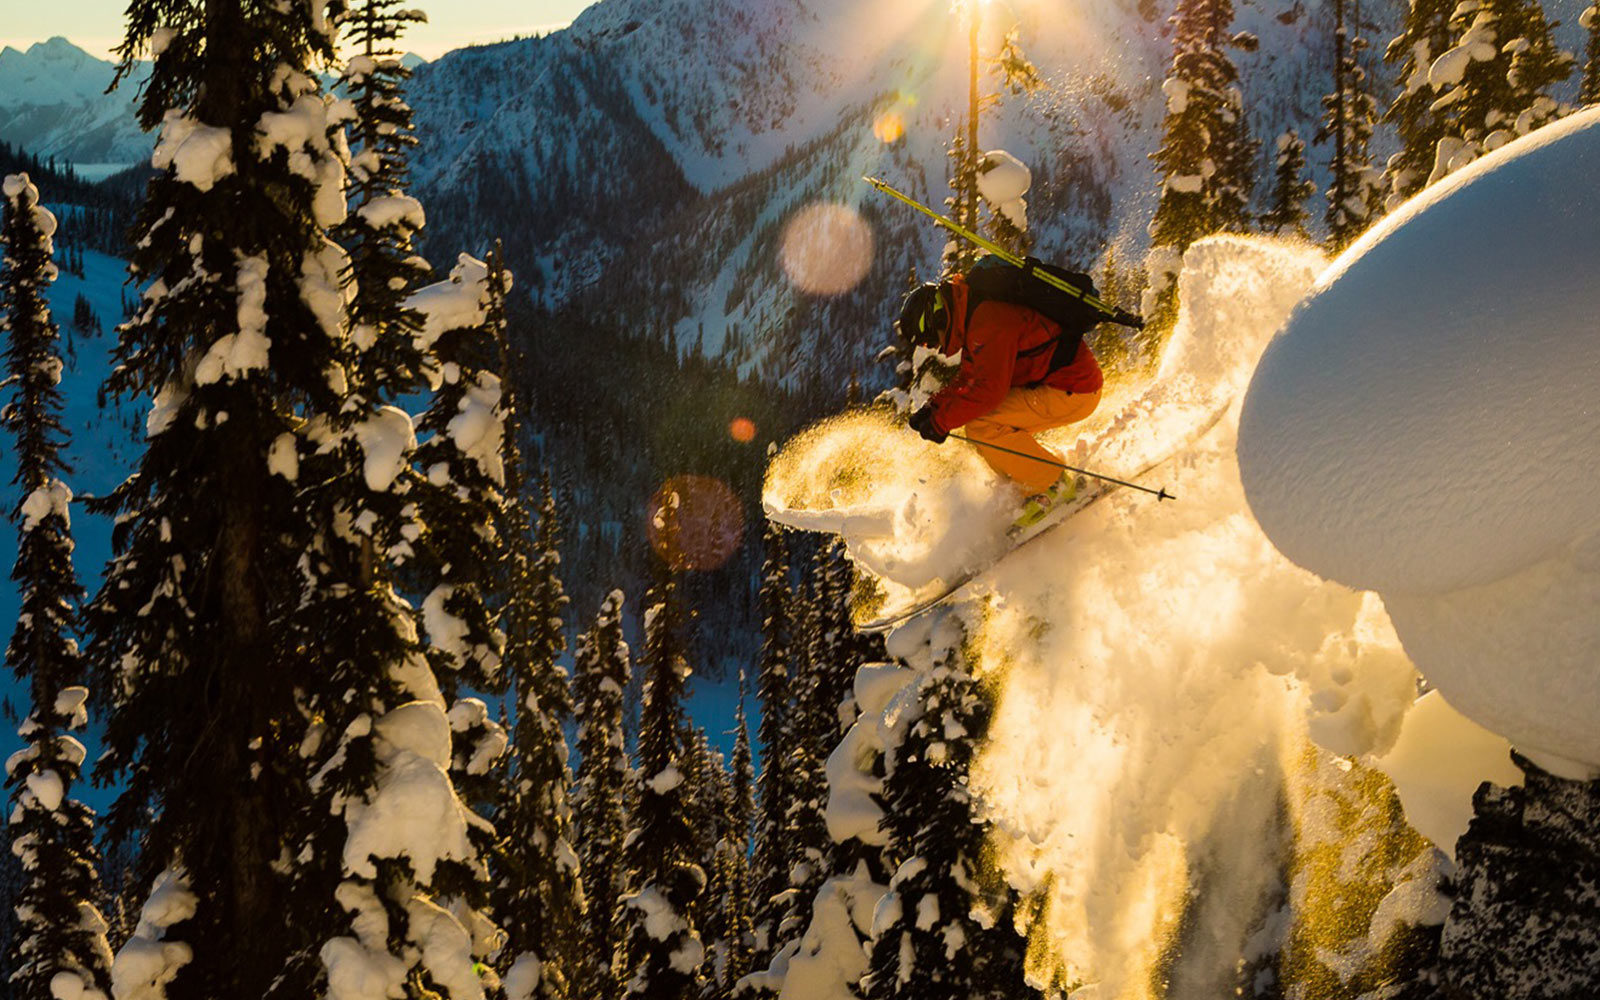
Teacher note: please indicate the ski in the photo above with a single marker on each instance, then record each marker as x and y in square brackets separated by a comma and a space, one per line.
[1088, 495]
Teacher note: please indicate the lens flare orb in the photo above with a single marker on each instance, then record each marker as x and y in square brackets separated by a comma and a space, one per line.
[889, 127]
[696, 523]
[826, 249]
[742, 430]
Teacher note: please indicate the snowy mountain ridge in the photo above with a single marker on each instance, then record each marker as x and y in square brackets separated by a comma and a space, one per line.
[56, 105]
[802, 99]
[684, 105]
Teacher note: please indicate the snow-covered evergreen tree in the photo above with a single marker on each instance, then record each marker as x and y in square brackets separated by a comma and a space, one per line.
[384, 219]
[603, 671]
[1424, 36]
[812, 718]
[1494, 84]
[770, 868]
[539, 898]
[461, 496]
[662, 951]
[1589, 92]
[58, 946]
[386, 741]
[1206, 159]
[1355, 194]
[240, 340]
[704, 797]
[945, 930]
[735, 852]
[834, 652]
[1290, 189]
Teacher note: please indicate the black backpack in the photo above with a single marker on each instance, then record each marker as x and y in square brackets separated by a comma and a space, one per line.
[993, 280]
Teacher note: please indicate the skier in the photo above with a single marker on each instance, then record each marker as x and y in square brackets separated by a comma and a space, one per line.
[1018, 376]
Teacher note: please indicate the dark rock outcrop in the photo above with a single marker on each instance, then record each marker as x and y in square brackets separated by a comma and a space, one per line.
[1526, 922]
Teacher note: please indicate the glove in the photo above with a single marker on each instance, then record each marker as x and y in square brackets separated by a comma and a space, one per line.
[922, 423]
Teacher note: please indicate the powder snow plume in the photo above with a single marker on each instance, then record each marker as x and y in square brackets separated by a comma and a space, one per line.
[1161, 666]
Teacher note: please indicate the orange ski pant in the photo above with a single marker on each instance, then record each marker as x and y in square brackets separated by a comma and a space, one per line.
[1013, 423]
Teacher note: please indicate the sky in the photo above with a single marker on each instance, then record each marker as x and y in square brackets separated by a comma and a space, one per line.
[96, 25]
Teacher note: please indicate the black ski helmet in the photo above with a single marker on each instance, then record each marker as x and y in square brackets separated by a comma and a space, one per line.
[924, 316]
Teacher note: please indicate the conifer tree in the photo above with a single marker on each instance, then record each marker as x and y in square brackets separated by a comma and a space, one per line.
[835, 651]
[815, 715]
[736, 850]
[1589, 92]
[1290, 189]
[1494, 85]
[663, 952]
[240, 340]
[58, 944]
[1206, 160]
[461, 494]
[603, 671]
[539, 897]
[404, 732]
[384, 220]
[705, 798]
[399, 737]
[1354, 194]
[770, 874]
[945, 931]
[1424, 36]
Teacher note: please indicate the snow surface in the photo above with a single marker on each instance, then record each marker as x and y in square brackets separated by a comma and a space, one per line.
[394, 209]
[148, 962]
[1163, 664]
[387, 439]
[1003, 180]
[831, 956]
[1438, 763]
[415, 813]
[1425, 427]
[236, 354]
[886, 696]
[49, 500]
[455, 303]
[199, 154]
[478, 428]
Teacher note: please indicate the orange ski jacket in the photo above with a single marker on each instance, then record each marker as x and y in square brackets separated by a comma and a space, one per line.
[1005, 346]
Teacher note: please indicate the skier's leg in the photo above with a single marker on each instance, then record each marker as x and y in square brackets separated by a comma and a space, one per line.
[1012, 424]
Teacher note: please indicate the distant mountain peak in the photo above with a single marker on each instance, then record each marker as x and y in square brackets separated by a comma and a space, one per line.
[56, 105]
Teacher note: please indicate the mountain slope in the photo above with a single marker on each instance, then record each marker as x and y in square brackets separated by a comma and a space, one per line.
[56, 105]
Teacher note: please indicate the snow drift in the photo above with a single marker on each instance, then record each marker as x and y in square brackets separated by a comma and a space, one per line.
[1425, 427]
[1161, 665]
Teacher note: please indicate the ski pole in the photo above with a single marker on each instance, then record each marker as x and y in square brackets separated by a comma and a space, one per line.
[1111, 312]
[1160, 494]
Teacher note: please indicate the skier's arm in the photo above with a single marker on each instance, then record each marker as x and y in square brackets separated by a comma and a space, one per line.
[987, 361]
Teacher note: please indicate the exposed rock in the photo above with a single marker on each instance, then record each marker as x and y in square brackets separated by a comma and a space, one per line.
[1526, 922]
